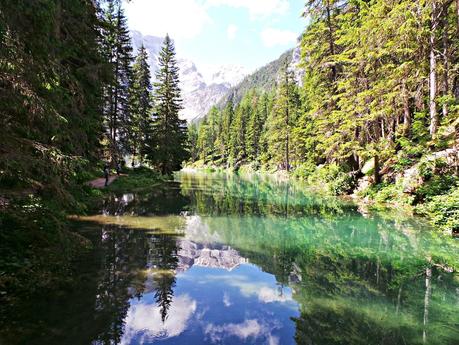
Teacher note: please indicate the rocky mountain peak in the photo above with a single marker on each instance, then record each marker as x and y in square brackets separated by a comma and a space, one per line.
[199, 93]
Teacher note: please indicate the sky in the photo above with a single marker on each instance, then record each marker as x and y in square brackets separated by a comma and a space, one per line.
[249, 33]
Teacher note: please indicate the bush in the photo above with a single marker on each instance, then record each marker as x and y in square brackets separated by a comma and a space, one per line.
[443, 210]
[304, 170]
[427, 169]
[437, 185]
[334, 178]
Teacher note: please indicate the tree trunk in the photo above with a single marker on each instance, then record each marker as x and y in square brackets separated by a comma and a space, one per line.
[457, 16]
[115, 107]
[434, 120]
[376, 175]
[406, 112]
[287, 158]
[399, 299]
[446, 58]
[330, 38]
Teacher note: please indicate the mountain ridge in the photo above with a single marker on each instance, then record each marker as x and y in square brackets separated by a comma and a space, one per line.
[199, 91]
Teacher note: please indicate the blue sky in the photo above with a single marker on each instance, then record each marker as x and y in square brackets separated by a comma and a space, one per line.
[250, 33]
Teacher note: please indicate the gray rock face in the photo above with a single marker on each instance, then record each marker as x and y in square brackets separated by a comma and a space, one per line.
[295, 65]
[198, 93]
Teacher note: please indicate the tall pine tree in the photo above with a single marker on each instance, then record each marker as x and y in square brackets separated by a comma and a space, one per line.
[169, 137]
[141, 105]
[282, 117]
[119, 52]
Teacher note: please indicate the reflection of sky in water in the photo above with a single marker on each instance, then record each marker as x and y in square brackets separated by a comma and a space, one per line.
[215, 306]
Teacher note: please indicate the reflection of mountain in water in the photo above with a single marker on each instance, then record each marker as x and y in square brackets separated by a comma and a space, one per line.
[215, 256]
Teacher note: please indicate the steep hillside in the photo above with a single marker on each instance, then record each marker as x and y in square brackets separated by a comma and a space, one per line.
[263, 79]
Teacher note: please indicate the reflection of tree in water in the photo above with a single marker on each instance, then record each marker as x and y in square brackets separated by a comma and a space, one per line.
[358, 280]
[162, 200]
[234, 195]
[164, 260]
[123, 257]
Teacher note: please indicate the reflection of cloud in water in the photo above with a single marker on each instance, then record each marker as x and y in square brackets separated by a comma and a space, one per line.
[248, 288]
[244, 330]
[269, 295]
[144, 320]
[272, 340]
[226, 300]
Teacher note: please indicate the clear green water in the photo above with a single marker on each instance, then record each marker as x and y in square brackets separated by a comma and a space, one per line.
[223, 259]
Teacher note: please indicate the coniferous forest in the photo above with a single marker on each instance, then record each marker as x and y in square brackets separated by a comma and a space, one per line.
[374, 111]
[318, 196]
[75, 97]
[73, 92]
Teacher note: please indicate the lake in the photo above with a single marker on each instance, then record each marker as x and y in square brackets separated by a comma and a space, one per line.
[215, 258]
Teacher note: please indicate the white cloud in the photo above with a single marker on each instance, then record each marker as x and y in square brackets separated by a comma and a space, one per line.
[272, 37]
[145, 320]
[181, 19]
[256, 8]
[231, 31]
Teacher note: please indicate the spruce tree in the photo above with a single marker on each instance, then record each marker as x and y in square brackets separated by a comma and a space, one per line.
[237, 137]
[193, 141]
[119, 52]
[50, 92]
[281, 119]
[208, 133]
[254, 130]
[227, 119]
[167, 149]
[140, 105]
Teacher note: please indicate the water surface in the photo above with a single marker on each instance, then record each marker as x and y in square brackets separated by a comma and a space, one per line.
[224, 259]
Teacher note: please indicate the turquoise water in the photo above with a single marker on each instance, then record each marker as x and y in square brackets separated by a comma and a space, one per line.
[225, 259]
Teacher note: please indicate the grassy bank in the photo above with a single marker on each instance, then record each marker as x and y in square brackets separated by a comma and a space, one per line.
[135, 180]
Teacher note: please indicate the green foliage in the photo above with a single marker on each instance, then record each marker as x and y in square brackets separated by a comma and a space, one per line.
[141, 105]
[304, 170]
[280, 121]
[363, 98]
[436, 185]
[408, 155]
[35, 246]
[167, 143]
[118, 52]
[427, 168]
[332, 178]
[443, 210]
[137, 180]
[51, 92]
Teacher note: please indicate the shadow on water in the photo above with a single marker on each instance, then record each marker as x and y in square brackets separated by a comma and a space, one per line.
[215, 258]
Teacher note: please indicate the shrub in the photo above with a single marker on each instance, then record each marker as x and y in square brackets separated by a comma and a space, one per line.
[438, 184]
[334, 179]
[443, 210]
[304, 170]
